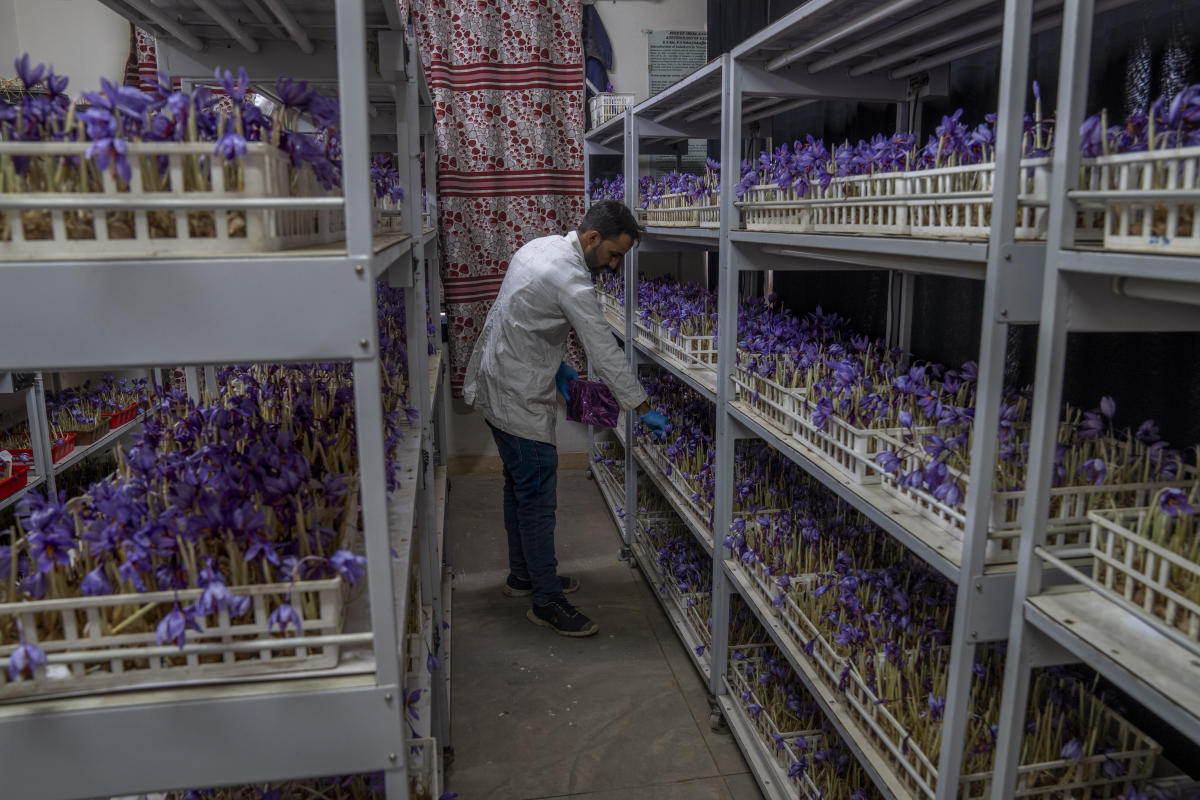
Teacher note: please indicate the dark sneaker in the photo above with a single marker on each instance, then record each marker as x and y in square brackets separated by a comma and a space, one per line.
[519, 587]
[562, 617]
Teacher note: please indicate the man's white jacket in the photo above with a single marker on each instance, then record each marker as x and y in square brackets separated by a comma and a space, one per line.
[546, 292]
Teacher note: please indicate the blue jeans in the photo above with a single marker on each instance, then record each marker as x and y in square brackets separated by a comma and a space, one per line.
[530, 499]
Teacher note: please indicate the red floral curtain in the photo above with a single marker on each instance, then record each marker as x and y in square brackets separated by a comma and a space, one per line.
[507, 84]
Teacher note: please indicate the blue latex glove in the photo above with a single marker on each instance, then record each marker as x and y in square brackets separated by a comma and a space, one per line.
[566, 373]
[656, 422]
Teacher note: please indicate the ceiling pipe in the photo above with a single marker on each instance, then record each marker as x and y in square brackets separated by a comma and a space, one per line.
[770, 112]
[291, 26]
[162, 20]
[1153, 289]
[265, 18]
[985, 25]
[227, 23]
[881, 14]
[695, 101]
[1050, 23]
[907, 28]
[702, 113]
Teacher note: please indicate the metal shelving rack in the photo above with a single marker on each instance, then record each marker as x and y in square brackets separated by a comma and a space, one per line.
[876, 47]
[1089, 290]
[316, 304]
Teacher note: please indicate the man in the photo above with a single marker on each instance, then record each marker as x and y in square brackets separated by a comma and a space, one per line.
[511, 379]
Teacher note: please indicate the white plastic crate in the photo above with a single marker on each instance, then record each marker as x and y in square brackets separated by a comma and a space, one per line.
[690, 351]
[684, 491]
[1135, 754]
[767, 207]
[778, 742]
[1151, 200]
[31, 232]
[87, 653]
[614, 310]
[956, 202]
[871, 205]
[676, 211]
[606, 105]
[424, 769]
[848, 449]
[774, 402]
[1069, 505]
[388, 217]
[1127, 565]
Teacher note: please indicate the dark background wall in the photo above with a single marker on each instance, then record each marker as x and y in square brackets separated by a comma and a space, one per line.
[1150, 375]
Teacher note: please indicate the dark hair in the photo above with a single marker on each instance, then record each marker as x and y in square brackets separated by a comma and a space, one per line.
[610, 218]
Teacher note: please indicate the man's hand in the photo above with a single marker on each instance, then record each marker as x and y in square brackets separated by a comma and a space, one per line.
[656, 422]
[566, 374]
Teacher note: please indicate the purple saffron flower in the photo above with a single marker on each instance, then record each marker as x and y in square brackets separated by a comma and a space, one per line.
[231, 146]
[937, 705]
[433, 663]
[1095, 470]
[1147, 432]
[96, 583]
[25, 661]
[1108, 407]
[1111, 768]
[173, 627]
[888, 461]
[349, 566]
[1073, 751]
[30, 76]
[1174, 502]
[283, 616]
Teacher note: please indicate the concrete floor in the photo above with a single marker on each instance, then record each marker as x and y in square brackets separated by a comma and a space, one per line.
[535, 715]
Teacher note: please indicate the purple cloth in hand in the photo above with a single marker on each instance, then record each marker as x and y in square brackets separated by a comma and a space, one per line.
[592, 403]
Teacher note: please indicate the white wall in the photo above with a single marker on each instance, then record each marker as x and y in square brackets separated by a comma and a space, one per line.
[9, 46]
[626, 22]
[82, 39]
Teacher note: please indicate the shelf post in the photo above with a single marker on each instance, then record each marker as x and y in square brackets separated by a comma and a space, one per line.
[727, 314]
[387, 605]
[629, 523]
[1014, 71]
[1075, 54]
[39, 432]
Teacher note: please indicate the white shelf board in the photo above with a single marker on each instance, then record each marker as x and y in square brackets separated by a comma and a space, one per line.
[786, 251]
[608, 131]
[702, 661]
[16, 496]
[697, 526]
[1183, 269]
[770, 778]
[1152, 669]
[105, 442]
[187, 311]
[877, 766]
[708, 237]
[931, 542]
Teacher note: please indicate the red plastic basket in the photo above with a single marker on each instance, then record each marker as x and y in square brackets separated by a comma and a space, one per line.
[122, 417]
[61, 446]
[18, 480]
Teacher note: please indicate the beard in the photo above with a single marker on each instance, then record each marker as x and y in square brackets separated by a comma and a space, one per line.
[592, 259]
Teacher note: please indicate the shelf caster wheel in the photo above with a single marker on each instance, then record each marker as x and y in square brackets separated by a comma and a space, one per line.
[716, 722]
[590, 476]
[447, 757]
[625, 554]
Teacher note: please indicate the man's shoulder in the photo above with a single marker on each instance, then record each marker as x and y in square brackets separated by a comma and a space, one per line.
[545, 244]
